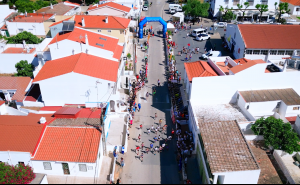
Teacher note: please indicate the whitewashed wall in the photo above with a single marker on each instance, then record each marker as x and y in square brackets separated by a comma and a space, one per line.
[240, 177]
[65, 48]
[74, 88]
[258, 68]
[107, 11]
[2, 109]
[222, 89]
[13, 158]
[8, 61]
[32, 27]
[58, 170]
[290, 112]
[233, 31]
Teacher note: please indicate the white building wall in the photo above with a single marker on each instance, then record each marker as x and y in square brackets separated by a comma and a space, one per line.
[259, 109]
[13, 158]
[215, 5]
[107, 11]
[258, 68]
[224, 88]
[3, 109]
[32, 27]
[58, 170]
[8, 61]
[74, 88]
[290, 112]
[233, 32]
[66, 48]
[282, 109]
[240, 177]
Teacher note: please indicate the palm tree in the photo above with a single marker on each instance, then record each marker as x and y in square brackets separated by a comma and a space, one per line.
[261, 8]
[240, 7]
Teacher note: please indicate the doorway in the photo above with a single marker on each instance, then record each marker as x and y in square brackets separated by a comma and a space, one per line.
[66, 169]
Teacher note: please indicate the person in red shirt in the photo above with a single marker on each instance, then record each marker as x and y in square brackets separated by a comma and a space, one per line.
[137, 77]
[173, 132]
[137, 150]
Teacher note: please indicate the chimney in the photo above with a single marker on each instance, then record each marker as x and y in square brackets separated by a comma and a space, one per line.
[284, 66]
[24, 44]
[97, 5]
[82, 22]
[33, 11]
[25, 13]
[86, 40]
[43, 120]
[106, 19]
[51, 5]
[27, 50]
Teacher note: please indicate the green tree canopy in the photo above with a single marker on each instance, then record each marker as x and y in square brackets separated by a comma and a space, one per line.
[24, 69]
[261, 8]
[282, 8]
[29, 6]
[229, 15]
[195, 8]
[277, 134]
[27, 36]
[240, 7]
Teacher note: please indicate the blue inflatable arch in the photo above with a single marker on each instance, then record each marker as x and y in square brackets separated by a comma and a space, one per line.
[152, 19]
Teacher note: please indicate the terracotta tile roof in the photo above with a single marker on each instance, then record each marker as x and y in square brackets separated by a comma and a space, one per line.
[69, 144]
[21, 133]
[4, 27]
[223, 67]
[241, 67]
[270, 36]
[226, 148]
[89, 113]
[80, 63]
[58, 9]
[293, 2]
[67, 112]
[289, 96]
[242, 60]
[292, 119]
[198, 69]
[111, 5]
[32, 17]
[98, 21]
[9, 15]
[118, 52]
[17, 51]
[2, 102]
[109, 43]
[56, 23]
[15, 83]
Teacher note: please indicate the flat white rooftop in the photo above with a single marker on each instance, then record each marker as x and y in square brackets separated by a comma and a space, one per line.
[219, 112]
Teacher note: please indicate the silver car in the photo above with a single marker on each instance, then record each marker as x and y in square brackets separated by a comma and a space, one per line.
[202, 37]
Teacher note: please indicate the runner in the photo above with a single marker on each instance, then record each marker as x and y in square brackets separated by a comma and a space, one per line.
[139, 138]
[137, 150]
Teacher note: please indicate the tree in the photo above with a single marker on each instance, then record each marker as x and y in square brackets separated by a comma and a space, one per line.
[196, 8]
[29, 6]
[221, 10]
[229, 15]
[277, 134]
[27, 36]
[282, 8]
[261, 8]
[19, 174]
[24, 69]
[240, 7]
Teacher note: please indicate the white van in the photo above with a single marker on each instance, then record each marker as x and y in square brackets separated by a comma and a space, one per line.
[177, 7]
[211, 54]
[198, 31]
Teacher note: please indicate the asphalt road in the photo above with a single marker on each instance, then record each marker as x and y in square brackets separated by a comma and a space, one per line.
[162, 167]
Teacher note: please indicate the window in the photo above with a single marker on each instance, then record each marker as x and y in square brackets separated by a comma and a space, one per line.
[256, 52]
[251, 2]
[289, 52]
[265, 2]
[82, 167]
[297, 9]
[99, 30]
[235, 2]
[273, 52]
[11, 94]
[264, 52]
[21, 29]
[21, 163]
[295, 108]
[226, 1]
[280, 52]
[109, 31]
[47, 166]
[249, 52]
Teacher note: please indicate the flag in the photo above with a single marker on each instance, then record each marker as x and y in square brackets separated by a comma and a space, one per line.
[135, 59]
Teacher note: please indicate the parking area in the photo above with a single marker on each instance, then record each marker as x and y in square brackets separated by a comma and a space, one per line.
[181, 40]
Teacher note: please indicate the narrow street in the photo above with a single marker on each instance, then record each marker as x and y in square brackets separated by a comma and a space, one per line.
[161, 167]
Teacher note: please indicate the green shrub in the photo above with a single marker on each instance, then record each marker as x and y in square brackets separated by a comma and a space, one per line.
[24, 69]
[128, 55]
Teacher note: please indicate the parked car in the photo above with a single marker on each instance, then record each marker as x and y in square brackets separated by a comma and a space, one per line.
[202, 37]
[172, 11]
[145, 8]
[198, 31]
[211, 54]
[220, 24]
